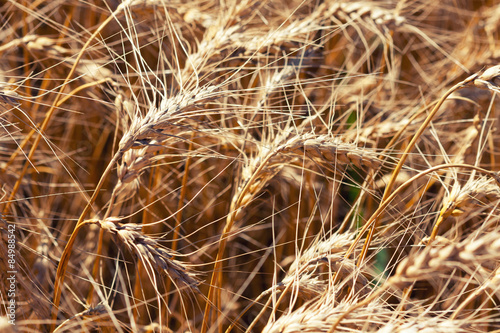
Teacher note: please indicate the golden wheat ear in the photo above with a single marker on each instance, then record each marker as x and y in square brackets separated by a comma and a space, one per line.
[489, 79]
[10, 97]
[202, 166]
[151, 253]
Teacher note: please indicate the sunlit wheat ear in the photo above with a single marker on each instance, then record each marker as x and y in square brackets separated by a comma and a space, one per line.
[288, 37]
[255, 175]
[17, 42]
[489, 79]
[367, 10]
[473, 196]
[226, 35]
[433, 261]
[132, 164]
[197, 15]
[475, 255]
[155, 327]
[475, 193]
[491, 16]
[314, 269]
[331, 151]
[318, 316]
[92, 317]
[465, 152]
[217, 40]
[9, 97]
[426, 324]
[46, 47]
[147, 135]
[369, 134]
[150, 252]
[323, 149]
[159, 123]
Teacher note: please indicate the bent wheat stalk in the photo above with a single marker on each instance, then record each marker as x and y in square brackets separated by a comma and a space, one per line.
[379, 211]
[63, 262]
[386, 202]
[468, 81]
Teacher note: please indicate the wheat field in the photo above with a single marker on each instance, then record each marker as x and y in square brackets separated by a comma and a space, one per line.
[249, 166]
